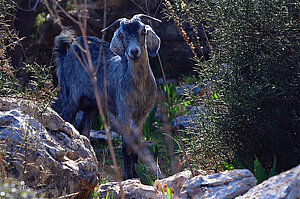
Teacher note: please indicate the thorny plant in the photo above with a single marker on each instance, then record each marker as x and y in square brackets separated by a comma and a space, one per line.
[251, 74]
[179, 11]
[38, 91]
[173, 15]
[38, 85]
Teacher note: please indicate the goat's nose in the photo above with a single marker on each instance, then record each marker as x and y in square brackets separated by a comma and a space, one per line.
[134, 52]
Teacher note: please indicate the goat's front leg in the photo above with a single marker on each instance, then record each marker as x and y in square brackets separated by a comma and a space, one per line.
[122, 125]
[130, 155]
[130, 158]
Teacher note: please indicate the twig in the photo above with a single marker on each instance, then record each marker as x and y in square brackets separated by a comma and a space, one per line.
[68, 196]
[32, 9]
[138, 6]
[26, 156]
[146, 4]
[93, 78]
[2, 168]
[66, 13]
[157, 8]
[90, 70]
[56, 18]
[177, 130]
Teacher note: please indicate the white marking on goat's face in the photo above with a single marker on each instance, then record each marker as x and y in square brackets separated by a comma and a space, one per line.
[133, 37]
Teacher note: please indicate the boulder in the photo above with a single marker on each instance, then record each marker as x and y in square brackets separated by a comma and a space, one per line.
[190, 121]
[44, 151]
[176, 182]
[101, 135]
[182, 91]
[285, 185]
[227, 184]
[132, 189]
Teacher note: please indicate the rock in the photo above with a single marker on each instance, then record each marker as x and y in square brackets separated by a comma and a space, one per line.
[185, 89]
[161, 82]
[189, 121]
[47, 153]
[228, 184]
[132, 189]
[49, 119]
[185, 122]
[285, 185]
[177, 181]
[101, 135]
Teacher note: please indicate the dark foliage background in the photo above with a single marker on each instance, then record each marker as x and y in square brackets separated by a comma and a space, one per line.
[251, 107]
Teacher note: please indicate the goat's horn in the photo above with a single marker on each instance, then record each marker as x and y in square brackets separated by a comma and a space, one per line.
[116, 22]
[140, 16]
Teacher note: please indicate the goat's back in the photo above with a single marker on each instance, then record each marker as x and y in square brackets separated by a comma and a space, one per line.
[72, 77]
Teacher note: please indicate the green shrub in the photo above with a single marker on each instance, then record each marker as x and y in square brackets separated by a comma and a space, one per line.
[252, 98]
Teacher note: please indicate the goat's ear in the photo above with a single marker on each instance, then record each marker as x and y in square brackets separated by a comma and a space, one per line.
[116, 45]
[153, 42]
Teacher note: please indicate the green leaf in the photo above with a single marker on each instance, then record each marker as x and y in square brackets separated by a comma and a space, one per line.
[169, 193]
[259, 172]
[142, 172]
[273, 169]
[228, 166]
[237, 164]
[149, 122]
[172, 93]
[187, 103]
[249, 163]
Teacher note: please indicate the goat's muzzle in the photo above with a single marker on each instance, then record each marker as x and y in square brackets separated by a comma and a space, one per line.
[134, 54]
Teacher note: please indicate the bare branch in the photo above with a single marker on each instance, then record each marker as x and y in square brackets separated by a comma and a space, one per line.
[178, 131]
[158, 7]
[65, 12]
[93, 78]
[32, 9]
[2, 168]
[138, 6]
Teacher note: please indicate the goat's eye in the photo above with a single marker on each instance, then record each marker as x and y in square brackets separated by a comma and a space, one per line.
[144, 32]
[121, 35]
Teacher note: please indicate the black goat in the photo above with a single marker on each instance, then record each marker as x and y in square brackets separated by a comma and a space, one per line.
[131, 86]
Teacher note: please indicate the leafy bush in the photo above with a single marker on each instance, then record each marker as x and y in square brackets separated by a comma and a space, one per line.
[32, 81]
[252, 80]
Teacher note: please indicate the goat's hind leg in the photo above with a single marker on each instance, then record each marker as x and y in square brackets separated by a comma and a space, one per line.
[69, 110]
[91, 112]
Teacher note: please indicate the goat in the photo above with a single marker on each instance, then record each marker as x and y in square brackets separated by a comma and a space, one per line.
[131, 86]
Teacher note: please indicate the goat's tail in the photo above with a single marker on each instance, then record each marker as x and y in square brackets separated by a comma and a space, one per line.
[61, 44]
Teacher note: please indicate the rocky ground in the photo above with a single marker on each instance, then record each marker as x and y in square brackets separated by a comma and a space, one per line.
[50, 156]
